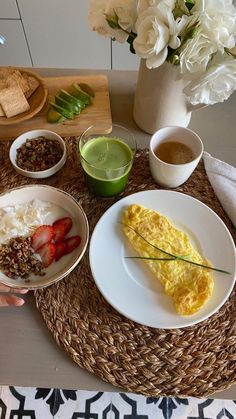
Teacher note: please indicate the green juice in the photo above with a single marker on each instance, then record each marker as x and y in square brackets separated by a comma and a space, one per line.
[106, 162]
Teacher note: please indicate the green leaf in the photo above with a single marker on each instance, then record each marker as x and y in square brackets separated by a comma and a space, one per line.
[190, 4]
[174, 59]
[180, 9]
[132, 50]
[112, 21]
[130, 41]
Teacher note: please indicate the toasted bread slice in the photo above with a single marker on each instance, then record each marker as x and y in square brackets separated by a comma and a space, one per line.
[13, 101]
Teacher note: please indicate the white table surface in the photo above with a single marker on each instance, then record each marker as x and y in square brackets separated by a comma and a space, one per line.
[29, 355]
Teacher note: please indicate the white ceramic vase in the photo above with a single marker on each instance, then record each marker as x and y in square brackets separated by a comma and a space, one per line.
[159, 100]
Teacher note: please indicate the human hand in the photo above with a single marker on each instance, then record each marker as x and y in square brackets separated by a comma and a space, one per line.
[8, 299]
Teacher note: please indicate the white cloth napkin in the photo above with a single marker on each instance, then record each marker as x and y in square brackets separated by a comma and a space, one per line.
[222, 177]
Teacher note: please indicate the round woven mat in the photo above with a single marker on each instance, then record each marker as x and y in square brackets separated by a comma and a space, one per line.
[194, 361]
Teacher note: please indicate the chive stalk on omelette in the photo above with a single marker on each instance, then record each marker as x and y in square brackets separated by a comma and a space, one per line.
[173, 257]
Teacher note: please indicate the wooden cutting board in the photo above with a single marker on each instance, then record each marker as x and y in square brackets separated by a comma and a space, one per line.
[98, 113]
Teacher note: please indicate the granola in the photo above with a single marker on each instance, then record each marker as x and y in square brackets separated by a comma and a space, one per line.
[18, 260]
[38, 154]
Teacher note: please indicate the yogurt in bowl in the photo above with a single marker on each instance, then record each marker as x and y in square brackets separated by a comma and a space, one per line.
[20, 219]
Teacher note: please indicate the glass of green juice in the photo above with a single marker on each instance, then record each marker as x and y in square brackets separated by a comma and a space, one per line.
[107, 159]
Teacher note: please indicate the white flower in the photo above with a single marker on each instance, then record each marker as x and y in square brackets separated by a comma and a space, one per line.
[100, 10]
[97, 19]
[216, 85]
[215, 6]
[126, 12]
[156, 30]
[218, 21]
[196, 54]
[144, 4]
[199, 39]
[96, 14]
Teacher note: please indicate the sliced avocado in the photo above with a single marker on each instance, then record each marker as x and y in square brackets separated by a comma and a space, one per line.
[87, 89]
[71, 99]
[53, 117]
[64, 112]
[75, 90]
[67, 105]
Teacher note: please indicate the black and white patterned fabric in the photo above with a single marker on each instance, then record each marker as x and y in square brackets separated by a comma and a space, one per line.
[44, 403]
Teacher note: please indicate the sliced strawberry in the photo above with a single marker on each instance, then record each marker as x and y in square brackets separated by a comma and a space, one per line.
[47, 253]
[42, 235]
[65, 223]
[59, 233]
[60, 249]
[71, 244]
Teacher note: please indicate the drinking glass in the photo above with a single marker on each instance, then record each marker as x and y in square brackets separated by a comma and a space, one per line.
[107, 159]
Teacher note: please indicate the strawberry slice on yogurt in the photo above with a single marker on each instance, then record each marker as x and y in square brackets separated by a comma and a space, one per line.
[51, 243]
[41, 236]
[61, 227]
[47, 253]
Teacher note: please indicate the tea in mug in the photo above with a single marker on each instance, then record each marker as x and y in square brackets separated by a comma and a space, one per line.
[174, 152]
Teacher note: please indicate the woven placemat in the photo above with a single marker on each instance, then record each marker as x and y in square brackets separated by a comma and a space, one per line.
[194, 361]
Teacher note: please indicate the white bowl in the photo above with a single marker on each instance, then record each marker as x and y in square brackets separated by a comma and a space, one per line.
[63, 205]
[34, 134]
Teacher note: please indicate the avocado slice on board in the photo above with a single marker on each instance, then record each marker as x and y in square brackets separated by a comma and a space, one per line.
[53, 117]
[67, 105]
[64, 112]
[71, 99]
[87, 89]
[75, 90]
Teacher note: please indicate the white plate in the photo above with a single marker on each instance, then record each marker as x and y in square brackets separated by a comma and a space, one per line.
[63, 205]
[131, 288]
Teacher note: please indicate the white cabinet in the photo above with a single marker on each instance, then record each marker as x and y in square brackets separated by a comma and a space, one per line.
[8, 10]
[15, 51]
[122, 58]
[58, 35]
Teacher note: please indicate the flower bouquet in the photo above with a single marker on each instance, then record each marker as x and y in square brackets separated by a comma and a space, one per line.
[197, 36]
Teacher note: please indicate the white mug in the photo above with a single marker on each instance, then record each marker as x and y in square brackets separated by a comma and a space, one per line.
[173, 175]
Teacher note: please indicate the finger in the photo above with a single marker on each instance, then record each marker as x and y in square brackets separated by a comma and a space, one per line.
[10, 300]
[18, 290]
[5, 288]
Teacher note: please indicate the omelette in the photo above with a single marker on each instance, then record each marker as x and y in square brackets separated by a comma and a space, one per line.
[189, 286]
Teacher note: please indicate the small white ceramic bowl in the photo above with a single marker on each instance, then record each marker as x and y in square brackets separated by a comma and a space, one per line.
[34, 134]
[61, 205]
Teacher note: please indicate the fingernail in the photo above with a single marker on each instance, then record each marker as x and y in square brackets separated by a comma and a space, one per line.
[22, 291]
[19, 302]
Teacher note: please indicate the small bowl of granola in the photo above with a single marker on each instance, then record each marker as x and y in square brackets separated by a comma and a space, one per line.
[38, 154]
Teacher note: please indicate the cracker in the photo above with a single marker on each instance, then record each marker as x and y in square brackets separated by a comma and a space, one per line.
[13, 101]
[18, 78]
[2, 113]
[5, 71]
[3, 84]
[32, 83]
[13, 76]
